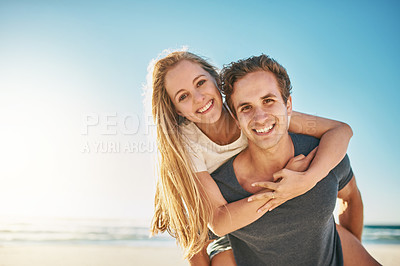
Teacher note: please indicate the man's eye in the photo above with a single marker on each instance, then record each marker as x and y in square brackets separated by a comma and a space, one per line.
[182, 97]
[245, 108]
[201, 82]
[268, 100]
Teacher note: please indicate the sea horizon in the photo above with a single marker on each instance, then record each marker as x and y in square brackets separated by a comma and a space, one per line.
[124, 232]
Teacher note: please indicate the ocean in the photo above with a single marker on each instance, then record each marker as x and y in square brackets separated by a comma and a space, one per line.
[124, 232]
[36, 231]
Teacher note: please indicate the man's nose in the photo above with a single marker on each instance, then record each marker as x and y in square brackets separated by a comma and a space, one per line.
[260, 115]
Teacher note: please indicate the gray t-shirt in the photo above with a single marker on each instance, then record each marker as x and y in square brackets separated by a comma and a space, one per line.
[301, 231]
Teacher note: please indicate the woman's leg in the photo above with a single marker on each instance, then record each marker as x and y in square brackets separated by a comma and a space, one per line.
[224, 258]
[354, 252]
[201, 258]
[221, 253]
[214, 253]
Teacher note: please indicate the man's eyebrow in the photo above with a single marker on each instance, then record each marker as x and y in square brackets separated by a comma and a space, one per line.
[269, 95]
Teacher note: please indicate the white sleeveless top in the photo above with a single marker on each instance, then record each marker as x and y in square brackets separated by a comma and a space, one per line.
[205, 154]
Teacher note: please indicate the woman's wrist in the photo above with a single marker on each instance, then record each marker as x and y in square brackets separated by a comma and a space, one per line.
[312, 176]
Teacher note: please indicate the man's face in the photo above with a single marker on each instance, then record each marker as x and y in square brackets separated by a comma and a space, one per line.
[261, 111]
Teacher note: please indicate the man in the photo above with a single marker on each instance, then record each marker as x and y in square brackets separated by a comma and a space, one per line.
[302, 231]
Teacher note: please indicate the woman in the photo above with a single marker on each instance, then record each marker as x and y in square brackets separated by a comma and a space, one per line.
[196, 134]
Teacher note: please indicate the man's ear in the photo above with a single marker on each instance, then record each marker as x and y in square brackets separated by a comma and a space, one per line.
[289, 109]
[289, 106]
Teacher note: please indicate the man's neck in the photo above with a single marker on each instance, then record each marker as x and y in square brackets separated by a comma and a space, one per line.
[256, 164]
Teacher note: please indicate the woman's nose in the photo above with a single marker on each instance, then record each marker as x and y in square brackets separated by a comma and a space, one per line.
[198, 97]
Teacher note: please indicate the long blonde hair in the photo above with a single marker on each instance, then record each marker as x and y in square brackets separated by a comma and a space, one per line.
[181, 206]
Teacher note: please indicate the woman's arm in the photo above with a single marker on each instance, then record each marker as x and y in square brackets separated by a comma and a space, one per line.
[235, 215]
[227, 217]
[335, 137]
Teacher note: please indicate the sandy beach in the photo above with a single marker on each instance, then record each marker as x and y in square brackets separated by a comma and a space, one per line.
[127, 256]
[388, 255]
[89, 256]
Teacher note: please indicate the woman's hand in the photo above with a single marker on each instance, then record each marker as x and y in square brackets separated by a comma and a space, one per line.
[288, 183]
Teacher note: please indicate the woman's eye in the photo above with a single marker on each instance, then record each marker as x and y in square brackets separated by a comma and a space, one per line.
[201, 82]
[182, 97]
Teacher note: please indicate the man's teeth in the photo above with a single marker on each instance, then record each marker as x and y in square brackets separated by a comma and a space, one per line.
[264, 130]
[205, 108]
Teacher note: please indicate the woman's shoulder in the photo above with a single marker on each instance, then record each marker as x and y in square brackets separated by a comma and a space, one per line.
[190, 131]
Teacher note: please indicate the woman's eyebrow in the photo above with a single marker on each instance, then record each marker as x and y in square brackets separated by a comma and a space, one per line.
[196, 78]
[176, 94]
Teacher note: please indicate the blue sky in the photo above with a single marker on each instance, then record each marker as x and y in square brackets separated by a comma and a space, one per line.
[65, 64]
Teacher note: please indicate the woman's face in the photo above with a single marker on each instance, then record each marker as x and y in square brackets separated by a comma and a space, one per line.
[194, 92]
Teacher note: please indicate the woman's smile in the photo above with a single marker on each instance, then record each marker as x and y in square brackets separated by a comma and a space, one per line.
[206, 108]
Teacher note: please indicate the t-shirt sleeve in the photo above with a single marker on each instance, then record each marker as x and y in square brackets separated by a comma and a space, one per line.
[343, 172]
[196, 156]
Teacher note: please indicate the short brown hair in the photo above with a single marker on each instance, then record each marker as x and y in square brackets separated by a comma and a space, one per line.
[237, 70]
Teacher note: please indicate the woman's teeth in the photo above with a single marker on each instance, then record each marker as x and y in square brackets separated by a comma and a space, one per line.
[264, 130]
[205, 108]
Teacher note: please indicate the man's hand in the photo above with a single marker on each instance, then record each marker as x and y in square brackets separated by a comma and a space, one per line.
[288, 183]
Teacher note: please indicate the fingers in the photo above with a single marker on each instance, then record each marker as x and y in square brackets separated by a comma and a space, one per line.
[270, 205]
[299, 157]
[280, 174]
[295, 159]
[262, 196]
[264, 208]
[311, 155]
[266, 184]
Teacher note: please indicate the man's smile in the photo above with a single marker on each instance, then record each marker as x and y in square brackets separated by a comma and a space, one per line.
[265, 130]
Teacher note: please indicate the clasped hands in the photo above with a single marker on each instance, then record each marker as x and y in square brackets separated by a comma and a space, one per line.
[288, 183]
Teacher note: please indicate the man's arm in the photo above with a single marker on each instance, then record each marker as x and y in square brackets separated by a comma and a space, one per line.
[351, 211]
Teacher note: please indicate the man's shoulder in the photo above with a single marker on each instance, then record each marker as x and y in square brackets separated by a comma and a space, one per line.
[303, 144]
[224, 170]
